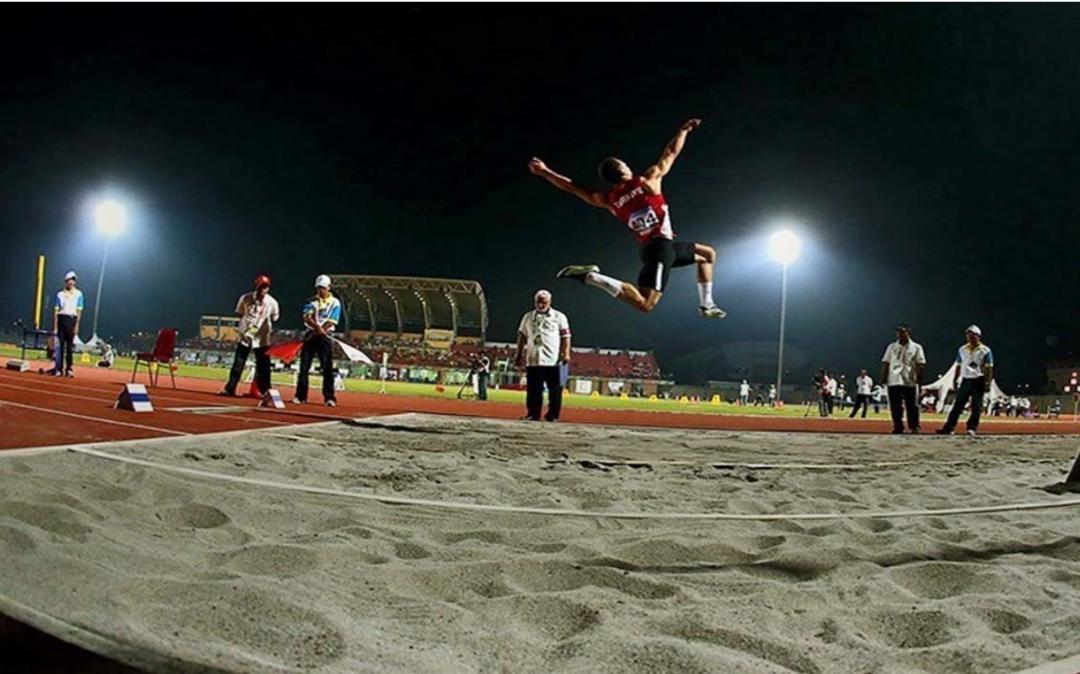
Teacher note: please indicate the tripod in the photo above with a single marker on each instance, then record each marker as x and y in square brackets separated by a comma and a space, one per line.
[814, 399]
[467, 384]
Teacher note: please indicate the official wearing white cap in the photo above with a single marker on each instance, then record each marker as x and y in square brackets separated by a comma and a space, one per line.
[972, 377]
[322, 313]
[67, 310]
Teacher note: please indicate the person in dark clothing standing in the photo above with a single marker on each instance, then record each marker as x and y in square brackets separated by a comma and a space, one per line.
[258, 312]
[322, 313]
[901, 370]
[543, 348]
[974, 372]
[863, 385]
[67, 310]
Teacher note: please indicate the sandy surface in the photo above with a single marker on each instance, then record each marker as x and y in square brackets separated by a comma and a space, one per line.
[174, 572]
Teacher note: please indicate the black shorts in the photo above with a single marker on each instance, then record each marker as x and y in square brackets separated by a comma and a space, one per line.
[658, 258]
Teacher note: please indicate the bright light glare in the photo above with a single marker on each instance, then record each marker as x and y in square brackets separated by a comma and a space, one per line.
[784, 246]
[111, 218]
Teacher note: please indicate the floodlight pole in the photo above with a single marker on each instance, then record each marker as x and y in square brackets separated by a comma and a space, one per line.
[101, 279]
[780, 356]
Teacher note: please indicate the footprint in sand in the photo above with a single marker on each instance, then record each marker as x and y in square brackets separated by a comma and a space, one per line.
[913, 629]
[15, 542]
[556, 618]
[197, 515]
[282, 561]
[54, 519]
[1004, 622]
[940, 580]
[406, 550]
[285, 635]
[109, 493]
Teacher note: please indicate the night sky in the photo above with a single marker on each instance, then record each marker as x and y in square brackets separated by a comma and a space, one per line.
[928, 153]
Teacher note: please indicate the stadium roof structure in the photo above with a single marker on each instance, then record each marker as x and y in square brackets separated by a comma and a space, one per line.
[412, 305]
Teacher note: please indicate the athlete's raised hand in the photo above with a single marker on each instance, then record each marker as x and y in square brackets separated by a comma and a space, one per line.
[690, 124]
[537, 166]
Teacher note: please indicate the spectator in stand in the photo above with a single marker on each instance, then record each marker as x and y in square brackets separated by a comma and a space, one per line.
[863, 386]
[902, 368]
[744, 393]
[543, 344]
[973, 372]
[258, 311]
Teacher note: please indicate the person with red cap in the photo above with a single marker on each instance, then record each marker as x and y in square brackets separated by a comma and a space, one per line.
[258, 311]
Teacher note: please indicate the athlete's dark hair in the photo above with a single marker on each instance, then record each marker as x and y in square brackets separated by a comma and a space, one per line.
[610, 172]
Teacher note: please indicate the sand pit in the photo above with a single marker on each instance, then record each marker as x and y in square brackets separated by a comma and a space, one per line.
[175, 571]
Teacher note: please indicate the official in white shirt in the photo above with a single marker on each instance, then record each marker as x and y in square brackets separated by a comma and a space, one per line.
[258, 311]
[543, 348]
[972, 375]
[863, 385]
[902, 370]
[67, 310]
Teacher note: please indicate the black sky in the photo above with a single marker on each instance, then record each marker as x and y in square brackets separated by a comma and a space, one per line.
[928, 151]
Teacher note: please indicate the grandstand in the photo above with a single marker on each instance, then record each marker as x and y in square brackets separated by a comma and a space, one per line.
[433, 330]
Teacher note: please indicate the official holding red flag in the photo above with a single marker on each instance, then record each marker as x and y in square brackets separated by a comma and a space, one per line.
[258, 312]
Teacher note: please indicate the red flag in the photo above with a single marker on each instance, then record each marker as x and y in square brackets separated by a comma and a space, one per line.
[286, 351]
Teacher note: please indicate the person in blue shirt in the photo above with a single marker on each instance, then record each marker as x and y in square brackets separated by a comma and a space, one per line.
[322, 313]
[67, 310]
[974, 372]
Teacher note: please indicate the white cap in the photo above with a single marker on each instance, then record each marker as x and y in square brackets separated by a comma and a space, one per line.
[70, 275]
[974, 329]
[542, 293]
[322, 281]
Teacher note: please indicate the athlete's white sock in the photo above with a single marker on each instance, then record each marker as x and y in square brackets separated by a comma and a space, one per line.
[704, 291]
[612, 286]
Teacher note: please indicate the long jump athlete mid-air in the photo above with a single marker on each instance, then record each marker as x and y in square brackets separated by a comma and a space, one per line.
[638, 202]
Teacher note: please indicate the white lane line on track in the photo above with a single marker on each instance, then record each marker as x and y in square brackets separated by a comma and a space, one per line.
[87, 417]
[24, 451]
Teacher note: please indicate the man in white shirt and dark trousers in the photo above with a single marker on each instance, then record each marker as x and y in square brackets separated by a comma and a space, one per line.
[863, 385]
[322, 313]
[258, 312]
[67, 310]
[902, 369]
[974, 371]
[543, 346]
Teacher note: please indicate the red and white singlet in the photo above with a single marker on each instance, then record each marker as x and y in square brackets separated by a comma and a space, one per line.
[646, 215]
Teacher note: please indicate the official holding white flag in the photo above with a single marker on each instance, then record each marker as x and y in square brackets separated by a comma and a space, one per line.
[322, 313]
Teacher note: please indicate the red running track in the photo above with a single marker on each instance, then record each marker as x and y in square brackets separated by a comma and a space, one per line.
[37, 410]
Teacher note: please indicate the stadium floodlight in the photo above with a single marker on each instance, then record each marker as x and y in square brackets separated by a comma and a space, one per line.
[111, 218]
[784, 247]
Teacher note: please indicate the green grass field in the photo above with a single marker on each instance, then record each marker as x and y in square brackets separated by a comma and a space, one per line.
[513, 397]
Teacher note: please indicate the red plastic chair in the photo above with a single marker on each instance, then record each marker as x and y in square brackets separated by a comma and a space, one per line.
[164, 351]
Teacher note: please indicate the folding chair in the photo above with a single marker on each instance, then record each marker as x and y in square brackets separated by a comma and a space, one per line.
[163, 353]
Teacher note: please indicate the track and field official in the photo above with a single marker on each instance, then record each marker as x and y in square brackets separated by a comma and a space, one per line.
[67, 310]
[901, 370]
[543, 346]
[974, 372]
[322, 313]
[258, 312]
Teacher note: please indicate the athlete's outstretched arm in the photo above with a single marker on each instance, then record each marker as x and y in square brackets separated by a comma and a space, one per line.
[539, 168]
[672, 150]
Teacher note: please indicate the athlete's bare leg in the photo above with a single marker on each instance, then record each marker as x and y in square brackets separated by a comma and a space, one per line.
[704, 256]
[642, 299]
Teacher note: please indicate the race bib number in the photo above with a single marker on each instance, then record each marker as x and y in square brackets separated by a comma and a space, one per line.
[643, 220]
